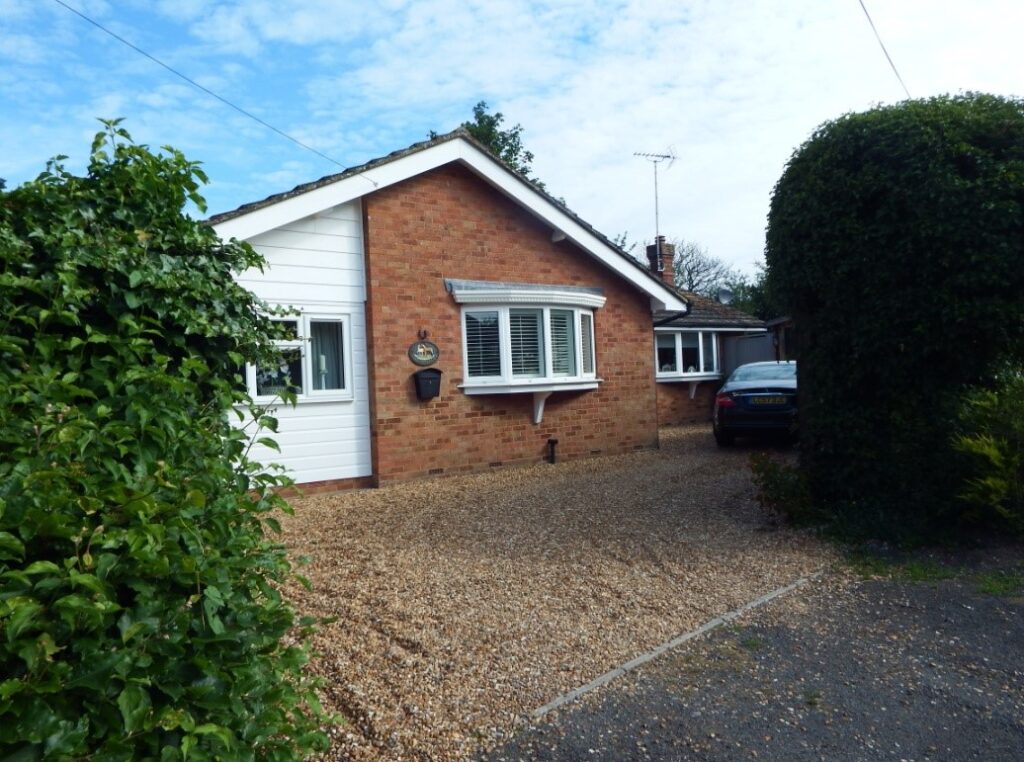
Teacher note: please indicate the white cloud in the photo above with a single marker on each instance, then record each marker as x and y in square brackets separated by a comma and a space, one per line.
[732, 87]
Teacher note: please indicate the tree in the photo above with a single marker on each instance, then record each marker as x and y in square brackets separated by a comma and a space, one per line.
[751, 295]
[506, 144]
[697, 271]
[622, 241]
[896, 242]
[138, 591]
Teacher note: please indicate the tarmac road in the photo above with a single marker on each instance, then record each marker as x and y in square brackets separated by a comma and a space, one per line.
[876, 669]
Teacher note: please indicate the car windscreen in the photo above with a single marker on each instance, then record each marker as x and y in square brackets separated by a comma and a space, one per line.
[764, 372]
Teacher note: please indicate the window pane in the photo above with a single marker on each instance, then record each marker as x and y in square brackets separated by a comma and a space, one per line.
[326, 353]
[563, 343]
[271, 380]
[708, 340]
[691, 356]
[483, 350]
[527, 337]
[587, 340]
[667, 353]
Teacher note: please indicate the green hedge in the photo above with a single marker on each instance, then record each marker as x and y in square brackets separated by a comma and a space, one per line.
[138, 597]
[896, 241]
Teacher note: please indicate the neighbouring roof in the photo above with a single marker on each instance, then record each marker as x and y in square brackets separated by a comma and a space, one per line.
[707, 313]
[379, 173]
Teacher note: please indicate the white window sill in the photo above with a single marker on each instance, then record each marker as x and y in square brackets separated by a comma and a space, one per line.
[304, 399]
[530, 386]
[672, 377]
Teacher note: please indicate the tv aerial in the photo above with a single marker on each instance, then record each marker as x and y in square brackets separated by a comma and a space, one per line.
[656, 159]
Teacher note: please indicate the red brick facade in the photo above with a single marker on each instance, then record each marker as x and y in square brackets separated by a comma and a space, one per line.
[676, 407]
[448, 223]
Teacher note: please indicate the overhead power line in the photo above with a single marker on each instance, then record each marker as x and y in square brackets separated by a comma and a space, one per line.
[206, 90]
[882, 44]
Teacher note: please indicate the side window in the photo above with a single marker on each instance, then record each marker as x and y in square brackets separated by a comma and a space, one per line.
[587, 341]
[313, 361]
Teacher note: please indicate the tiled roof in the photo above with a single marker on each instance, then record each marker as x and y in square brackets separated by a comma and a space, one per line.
[707, 313]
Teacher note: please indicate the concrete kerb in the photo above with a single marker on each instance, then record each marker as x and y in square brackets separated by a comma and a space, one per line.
[675, 642]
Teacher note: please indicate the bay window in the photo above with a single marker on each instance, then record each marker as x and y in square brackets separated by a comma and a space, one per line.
[525, 346]
[686, 354]
[527, 338]
[313, 361]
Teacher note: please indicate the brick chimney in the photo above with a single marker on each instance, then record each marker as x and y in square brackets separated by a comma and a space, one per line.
[660, 256]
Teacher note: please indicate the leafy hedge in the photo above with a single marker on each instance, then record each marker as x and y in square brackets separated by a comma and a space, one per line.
[991, 437]
[137, 588]
[896, 241]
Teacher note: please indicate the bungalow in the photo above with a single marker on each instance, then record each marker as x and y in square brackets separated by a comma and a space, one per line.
[452, 317]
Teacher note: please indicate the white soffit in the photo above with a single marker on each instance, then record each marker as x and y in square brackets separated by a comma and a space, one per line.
[279, 213]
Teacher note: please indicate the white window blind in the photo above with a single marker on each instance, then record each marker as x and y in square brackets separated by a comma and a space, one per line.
[563, 343]
[526, 334]
[587, 341]
[483, 346]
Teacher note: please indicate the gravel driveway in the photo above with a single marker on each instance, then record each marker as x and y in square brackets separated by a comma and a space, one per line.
[463, 604]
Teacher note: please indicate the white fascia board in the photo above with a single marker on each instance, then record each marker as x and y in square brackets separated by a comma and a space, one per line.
[342, 191]
[347, 189]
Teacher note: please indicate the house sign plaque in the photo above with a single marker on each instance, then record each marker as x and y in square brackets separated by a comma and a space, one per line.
[424, 352]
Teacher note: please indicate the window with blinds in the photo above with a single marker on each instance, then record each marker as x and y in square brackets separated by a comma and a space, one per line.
[526, 335]
[527, 346]
[587, 341]
[483, 344]
[563, 343]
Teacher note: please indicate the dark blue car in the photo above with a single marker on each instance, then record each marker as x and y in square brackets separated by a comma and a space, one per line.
[758, 398]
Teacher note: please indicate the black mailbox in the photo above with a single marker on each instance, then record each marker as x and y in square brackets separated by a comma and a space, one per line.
[428, 383]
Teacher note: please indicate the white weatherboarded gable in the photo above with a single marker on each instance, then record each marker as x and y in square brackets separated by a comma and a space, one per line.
[316, 265]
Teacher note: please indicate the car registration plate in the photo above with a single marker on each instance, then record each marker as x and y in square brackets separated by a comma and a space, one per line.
[775, 400]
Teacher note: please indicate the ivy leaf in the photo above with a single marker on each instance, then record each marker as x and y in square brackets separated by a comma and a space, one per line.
[134, 703]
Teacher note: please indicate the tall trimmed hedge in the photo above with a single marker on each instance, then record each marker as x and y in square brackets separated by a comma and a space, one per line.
[896, 241]
[138, 604]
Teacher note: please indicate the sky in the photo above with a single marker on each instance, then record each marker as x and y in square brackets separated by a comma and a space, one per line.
[730, 89]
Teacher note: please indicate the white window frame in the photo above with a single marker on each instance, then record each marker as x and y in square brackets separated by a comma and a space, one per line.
[307, 393]
[505, 381]
[680, 373]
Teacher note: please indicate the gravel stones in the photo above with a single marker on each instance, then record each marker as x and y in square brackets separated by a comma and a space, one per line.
[461, 605]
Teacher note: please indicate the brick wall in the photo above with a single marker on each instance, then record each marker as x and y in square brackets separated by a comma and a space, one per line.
[448, 223]
[676, 407]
